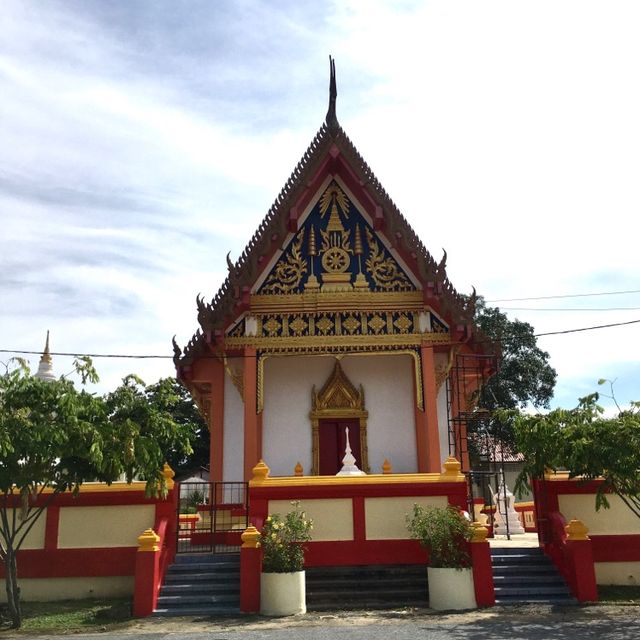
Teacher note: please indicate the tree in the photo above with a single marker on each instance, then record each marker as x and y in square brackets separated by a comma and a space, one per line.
[54, 437]
[171, 396]
[524, 375]
[587, 444]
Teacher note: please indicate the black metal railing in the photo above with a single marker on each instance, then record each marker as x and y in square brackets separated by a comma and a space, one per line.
[212, 516]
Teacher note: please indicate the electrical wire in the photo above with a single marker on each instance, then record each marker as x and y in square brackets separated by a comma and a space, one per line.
[567, 295]
[601, 326]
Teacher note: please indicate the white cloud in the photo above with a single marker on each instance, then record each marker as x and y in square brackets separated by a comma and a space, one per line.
[142, 142]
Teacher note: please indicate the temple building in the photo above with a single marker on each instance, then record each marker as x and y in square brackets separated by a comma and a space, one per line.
[334, 323]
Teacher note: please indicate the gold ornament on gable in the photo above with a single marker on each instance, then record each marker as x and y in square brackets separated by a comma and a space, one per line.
[334, 198]
[288, 273]
[384, 271]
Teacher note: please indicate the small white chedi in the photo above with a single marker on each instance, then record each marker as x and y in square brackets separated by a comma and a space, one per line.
[349, 467]
[506, 519]
[45, 368]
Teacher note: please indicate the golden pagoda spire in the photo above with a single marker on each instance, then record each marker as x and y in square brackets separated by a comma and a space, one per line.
[45, 368]
[46, 355]
[312, 281]
[358, 249]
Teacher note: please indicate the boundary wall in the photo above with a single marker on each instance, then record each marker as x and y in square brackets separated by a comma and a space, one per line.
[614, 533]
[86, 546]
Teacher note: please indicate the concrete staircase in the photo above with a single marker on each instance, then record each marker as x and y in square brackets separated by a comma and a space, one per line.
[366, 587]
[523, 575]
[201, 584]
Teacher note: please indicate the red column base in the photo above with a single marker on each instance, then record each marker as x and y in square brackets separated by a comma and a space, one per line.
[583, 574]
[482, 574]
[145, 595]
[250, 568]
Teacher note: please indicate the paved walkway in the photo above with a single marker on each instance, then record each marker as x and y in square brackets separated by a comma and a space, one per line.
[521, 540]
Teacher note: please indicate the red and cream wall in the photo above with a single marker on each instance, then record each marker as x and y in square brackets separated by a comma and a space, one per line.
[357, 519]
[86, 546]
[614, 532]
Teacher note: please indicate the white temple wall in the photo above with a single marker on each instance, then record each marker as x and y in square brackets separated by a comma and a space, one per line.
[286, 428]
[389, 398]
[233, 431]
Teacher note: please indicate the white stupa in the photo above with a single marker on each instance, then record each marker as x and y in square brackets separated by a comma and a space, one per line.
[45, 368]
[349, 467]
[506, 520]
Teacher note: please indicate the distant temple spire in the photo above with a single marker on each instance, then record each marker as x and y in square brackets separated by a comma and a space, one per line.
[332, 119]
[45, 368]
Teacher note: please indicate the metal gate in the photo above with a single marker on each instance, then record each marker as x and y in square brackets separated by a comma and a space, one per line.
[489, 486]
[212, 516]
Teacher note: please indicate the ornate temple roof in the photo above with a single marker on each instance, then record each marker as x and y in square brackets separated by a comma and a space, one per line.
[329, 144]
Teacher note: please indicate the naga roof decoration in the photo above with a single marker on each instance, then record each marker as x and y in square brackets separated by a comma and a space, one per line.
[345, 224]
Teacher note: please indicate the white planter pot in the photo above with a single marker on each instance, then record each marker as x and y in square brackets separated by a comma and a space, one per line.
[451, 589]
[282, 594]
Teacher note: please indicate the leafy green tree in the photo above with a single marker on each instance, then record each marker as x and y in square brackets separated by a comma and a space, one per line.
[524, 375]
[54, 437]
[587, 444]
[169, 395]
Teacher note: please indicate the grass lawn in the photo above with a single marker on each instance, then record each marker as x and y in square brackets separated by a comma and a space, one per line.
[619, 594]
[75, 615]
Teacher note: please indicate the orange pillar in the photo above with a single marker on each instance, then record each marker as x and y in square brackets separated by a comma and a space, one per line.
[216, 422]
[251, 418]
[427, 435]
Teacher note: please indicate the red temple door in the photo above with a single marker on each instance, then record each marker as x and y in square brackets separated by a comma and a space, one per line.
[333, 441]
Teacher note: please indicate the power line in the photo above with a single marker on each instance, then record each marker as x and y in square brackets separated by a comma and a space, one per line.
[158, 356]
[88, 355]
[570, 309]
[601, 326]
[567, 295]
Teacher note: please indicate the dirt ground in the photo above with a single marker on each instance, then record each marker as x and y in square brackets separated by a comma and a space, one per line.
[522, 613]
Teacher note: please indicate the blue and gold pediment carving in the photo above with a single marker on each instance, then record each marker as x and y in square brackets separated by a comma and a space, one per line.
[335, 250]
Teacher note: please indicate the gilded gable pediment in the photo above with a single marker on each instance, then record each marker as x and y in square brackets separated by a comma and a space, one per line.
[336, 250]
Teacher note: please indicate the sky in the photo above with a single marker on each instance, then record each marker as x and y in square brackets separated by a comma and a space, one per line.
[142, 141]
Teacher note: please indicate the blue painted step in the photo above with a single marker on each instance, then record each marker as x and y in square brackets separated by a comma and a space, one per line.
[201, 584]
[522, 575]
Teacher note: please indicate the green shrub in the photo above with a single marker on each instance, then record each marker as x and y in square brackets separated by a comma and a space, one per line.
[444, 531]
[282, 541]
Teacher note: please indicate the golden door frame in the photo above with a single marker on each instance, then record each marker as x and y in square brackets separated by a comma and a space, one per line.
[338, 399]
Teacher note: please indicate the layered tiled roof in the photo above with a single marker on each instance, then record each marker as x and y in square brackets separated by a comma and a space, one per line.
[216, 315]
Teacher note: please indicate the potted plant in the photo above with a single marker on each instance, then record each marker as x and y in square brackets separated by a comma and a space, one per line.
[282, 583]
[445, 532]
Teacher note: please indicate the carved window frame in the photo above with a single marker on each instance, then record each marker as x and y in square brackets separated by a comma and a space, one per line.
[338, 400]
